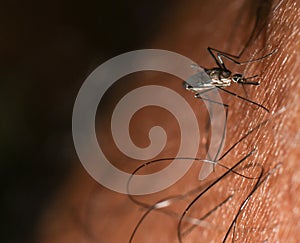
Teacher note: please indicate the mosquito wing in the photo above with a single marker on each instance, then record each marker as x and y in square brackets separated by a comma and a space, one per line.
[198, 81]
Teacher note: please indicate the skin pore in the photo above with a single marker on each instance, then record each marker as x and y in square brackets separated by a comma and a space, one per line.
[84, 211]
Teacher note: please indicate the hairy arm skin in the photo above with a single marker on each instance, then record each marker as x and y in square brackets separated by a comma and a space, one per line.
[273, 213]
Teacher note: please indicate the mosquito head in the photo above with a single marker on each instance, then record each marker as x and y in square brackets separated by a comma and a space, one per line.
[237, 78]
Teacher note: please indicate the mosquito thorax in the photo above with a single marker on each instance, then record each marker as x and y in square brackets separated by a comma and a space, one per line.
[218, 73]
[225, 73]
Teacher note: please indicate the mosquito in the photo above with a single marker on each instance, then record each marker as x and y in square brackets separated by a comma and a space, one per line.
[221, 77]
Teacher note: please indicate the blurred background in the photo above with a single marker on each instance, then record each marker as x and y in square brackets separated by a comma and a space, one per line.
[48, 48]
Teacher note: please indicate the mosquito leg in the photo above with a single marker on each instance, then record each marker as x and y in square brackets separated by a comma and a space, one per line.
[220, 55]
[254, 34]
[243, 98]
[199, 94]
[223, 134]
[245, 80]
[212, 101]
[206, 168]
[219, 61]
[250, 83]
[212, 50]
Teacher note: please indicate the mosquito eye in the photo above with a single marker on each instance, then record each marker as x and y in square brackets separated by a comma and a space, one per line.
[237, 78]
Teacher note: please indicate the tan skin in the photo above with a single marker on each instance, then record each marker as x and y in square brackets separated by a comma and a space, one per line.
[83, 211]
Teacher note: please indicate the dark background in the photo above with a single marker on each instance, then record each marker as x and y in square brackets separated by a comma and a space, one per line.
[48, 48]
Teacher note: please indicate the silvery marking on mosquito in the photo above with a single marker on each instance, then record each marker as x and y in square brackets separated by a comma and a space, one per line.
[211, 78]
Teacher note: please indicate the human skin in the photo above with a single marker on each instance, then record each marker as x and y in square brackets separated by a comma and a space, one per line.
[84, 211]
